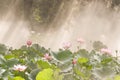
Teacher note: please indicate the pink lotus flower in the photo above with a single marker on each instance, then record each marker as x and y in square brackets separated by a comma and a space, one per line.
[105, 50]
[66, 45]
[29, 42]
[80, 40]
[74, 61]
[19, 67]
[47, 57]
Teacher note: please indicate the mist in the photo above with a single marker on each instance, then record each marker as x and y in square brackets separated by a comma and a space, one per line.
[14, 29]
[92, 21]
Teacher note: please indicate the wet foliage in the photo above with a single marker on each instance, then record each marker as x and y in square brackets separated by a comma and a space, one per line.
[33, 62]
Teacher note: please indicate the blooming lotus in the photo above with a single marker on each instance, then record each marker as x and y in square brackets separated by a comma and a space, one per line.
[47, 57]
[105, 50]
[66, 45]
[74, 61]
[29, 42]
[19, 67]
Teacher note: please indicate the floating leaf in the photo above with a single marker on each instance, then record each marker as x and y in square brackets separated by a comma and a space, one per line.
[2, 60]
[34, 73]
[104, 72]
[18, 78]
[9, 56]
[82, 60]
[83, 53]
[78, 72]
[106, 61]
[3, 49]
[43, 64]
[63, 55]
[46, 74]
[39, 49]
[57, 75]
[11, 62]
[117, 77]
[97, 45]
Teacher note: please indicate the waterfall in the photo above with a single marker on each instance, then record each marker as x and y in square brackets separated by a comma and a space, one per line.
[92, 20]
[13, 29]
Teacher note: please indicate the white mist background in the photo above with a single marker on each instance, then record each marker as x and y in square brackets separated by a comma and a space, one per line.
[94, 22]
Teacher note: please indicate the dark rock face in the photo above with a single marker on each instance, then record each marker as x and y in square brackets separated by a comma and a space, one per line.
[27, 8]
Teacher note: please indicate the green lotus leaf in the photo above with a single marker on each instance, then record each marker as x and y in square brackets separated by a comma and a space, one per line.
[46, 74]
